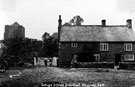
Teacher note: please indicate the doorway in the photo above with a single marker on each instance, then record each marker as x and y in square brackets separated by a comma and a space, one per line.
[117, 59]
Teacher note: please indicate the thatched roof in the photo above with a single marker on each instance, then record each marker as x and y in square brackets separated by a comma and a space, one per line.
[96, 33]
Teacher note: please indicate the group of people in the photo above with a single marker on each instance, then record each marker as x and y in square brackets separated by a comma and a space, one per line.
[53, 61]
[50, 62]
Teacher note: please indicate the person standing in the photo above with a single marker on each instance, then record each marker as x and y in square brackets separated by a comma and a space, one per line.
[54, 62]
[45, 62]
[74, 62]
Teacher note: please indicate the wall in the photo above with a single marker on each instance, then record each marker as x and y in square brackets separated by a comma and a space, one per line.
[66, 51]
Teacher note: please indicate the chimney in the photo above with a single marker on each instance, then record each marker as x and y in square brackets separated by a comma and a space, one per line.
[103, 22]
[59, 27]
[60, 21]
[129, 23]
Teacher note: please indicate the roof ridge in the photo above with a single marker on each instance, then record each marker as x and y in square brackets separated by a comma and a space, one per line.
[15, 24]
[97, 33]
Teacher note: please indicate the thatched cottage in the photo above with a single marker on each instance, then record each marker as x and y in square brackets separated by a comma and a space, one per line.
[97, 45]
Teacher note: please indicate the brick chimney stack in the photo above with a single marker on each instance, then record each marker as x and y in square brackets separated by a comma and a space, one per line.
[59, 27]
[60, 21]
[129, 23]
[103, 22]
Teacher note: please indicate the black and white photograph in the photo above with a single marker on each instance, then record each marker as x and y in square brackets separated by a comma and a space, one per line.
[67, 43]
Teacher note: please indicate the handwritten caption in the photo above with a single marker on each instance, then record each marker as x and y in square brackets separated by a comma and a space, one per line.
[73, 84]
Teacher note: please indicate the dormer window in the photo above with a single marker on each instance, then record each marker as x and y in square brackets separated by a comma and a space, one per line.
[74, 45]
[104, 47]
[128, 47]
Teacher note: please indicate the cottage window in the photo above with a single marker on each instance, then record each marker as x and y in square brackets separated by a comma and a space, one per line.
[128, 46]
[97, 57]
[129, 57]
[104, 47]
[74, 45]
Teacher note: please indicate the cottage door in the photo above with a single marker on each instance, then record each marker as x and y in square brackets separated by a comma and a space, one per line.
[117, 59]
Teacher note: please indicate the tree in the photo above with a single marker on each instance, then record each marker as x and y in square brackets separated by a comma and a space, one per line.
[76, 20]
[22, 47]
[14, 46]
[19, 50]
[55, 35]
[45, 36]
[50, 47]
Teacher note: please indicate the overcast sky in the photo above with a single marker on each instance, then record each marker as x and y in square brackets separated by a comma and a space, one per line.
[39, 16]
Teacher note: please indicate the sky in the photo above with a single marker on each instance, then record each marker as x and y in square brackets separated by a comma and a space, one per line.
[39, 16]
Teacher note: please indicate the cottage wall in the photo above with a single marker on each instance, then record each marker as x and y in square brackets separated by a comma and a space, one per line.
[66, 52]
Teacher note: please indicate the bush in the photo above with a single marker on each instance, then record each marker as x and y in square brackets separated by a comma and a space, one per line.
[95, 65]
[127, 65]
